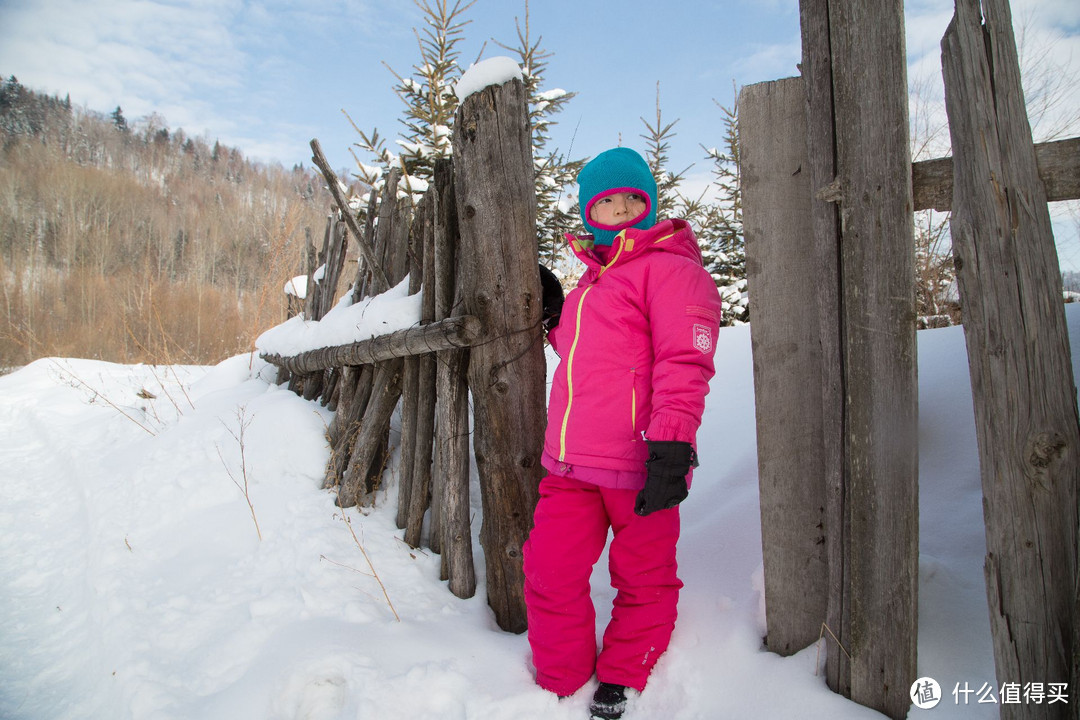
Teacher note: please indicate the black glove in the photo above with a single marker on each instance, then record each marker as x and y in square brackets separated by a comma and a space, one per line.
[552, 298]
[668, 465]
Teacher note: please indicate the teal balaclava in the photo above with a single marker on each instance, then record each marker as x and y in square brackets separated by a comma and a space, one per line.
[617, 170]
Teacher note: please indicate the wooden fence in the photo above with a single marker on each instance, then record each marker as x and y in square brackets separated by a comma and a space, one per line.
[828, 194]
[828, 191]
[470, 244]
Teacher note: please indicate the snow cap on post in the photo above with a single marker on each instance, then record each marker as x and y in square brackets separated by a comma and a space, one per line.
[493, 71]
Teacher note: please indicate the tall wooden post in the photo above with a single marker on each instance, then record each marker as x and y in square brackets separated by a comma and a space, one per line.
[784, 291]
[501, 285]
[817, 73]
[872, 516]
[1019, 356]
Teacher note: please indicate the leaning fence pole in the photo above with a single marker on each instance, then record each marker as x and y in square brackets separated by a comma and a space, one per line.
[366, 249]
[496, 202]
[1019, 356]
[369, 450]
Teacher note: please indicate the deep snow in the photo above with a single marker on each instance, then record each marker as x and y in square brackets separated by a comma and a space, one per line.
[133, 583]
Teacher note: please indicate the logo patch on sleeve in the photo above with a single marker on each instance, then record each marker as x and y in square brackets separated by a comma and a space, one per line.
[703, 338]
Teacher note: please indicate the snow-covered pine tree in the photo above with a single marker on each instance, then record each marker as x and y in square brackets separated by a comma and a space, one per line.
[658, 144]
[430, 105]
[722, 241]
[429, 99]
[555, 171]
[716, 214]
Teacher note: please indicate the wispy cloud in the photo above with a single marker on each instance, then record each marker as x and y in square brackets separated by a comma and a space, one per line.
[142, 55]
[763, 62]
[223, 67]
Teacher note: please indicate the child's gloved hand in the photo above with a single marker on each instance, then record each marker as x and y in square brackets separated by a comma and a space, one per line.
[552, 298]
[668, 465]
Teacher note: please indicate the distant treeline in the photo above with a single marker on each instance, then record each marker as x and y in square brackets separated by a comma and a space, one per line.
[132, 242]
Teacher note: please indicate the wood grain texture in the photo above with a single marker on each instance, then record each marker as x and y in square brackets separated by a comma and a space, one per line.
[501, 285]
[780, 261]
[1019, 358]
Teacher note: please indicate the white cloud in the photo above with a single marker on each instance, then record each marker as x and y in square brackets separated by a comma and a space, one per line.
[226, 68]
[252, 72]
[140, 55]
[769, 62]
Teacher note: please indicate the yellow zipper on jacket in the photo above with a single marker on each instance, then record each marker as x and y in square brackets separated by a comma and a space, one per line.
[573, 351]
[570, 376]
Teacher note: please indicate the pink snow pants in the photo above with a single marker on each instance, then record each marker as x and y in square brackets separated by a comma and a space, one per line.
[569, 534]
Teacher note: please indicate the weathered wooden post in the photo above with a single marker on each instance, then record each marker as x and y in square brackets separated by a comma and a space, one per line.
[451, 514]
[410, 466]
[1018, 352]
[354, 383]
[878, 601]
[500, 276]
[817, 71]
[784, 288]
[860, 256]
[321, 290]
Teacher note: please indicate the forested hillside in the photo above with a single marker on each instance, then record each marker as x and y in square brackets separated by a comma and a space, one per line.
[132, 242]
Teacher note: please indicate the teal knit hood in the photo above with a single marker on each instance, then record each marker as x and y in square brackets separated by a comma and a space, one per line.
[617, 170]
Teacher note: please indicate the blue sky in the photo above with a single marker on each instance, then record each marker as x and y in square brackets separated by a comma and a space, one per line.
[267, 76]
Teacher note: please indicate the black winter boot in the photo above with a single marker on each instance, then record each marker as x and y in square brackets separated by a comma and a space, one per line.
[608, 702]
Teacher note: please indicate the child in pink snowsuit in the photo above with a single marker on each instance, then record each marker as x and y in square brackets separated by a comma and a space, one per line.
[636, 342]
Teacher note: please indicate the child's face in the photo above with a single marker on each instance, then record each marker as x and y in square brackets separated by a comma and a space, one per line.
[617, 209]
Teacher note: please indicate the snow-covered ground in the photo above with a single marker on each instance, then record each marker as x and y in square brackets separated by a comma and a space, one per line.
[134, 583]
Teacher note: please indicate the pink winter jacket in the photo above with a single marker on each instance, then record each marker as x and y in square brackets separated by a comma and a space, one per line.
[636, 340]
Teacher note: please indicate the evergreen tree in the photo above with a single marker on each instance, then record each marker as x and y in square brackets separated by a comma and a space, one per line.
[13, 96]
[723, 242]
[658, 144]
[118, 120]
[428, 95]
[729, 245]
[715, 215]
[554, 171]
[430, 104]
[10, 92]
[25, 112]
